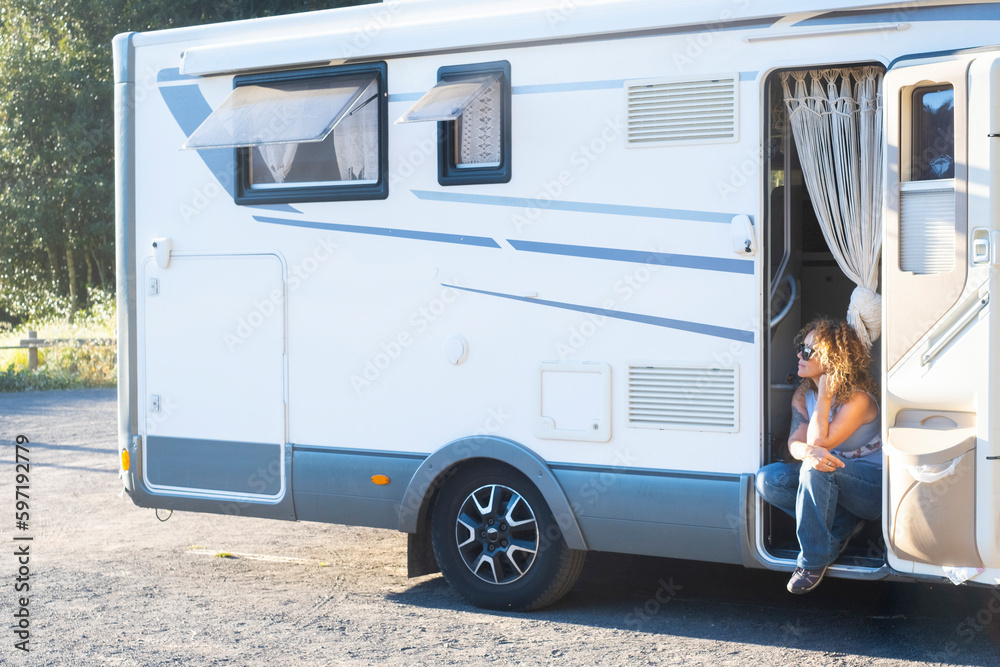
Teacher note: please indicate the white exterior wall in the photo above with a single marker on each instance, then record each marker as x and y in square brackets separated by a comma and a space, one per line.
[351, 303]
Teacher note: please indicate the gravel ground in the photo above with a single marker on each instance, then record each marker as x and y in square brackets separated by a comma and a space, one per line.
[112, 585]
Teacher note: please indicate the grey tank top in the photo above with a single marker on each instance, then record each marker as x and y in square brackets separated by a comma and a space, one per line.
[867, 440]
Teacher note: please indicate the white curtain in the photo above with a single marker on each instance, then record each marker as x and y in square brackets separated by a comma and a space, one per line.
[356, 139]
[480, 143]
[278, 158]
[836, 118]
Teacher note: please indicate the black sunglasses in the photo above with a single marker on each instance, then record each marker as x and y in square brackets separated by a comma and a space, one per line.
[805, 351]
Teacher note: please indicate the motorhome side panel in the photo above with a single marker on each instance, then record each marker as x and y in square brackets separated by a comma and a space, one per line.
[580, 258]
[587, 322]
[597, 309]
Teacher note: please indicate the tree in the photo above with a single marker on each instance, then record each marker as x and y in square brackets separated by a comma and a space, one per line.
[54, 139]
[57, 138]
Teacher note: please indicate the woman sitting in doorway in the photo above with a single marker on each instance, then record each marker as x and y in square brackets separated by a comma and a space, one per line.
[836, 437]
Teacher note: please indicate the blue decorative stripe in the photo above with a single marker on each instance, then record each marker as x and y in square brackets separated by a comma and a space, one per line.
[577, 206]
[744, 266]
[481, 241]
[969, 12]
[405, 97]
[190, 109]
[568, 87]
[707, 329]
[173, 74]
[280, 208]
[565, 87]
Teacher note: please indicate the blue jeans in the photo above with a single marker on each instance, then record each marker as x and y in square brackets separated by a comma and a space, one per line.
[826, 505]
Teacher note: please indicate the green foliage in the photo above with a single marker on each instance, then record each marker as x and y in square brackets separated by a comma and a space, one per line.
[64, 367]
[55, 155]
[68, 366]
[57, 139]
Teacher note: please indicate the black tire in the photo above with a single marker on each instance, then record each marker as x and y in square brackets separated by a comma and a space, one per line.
[498, 544]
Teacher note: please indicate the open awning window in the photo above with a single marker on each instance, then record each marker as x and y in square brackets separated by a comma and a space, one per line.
[292, 111]
[450, 98]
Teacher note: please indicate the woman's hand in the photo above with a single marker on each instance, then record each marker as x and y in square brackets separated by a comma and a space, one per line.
[823, 386]
[822, 460]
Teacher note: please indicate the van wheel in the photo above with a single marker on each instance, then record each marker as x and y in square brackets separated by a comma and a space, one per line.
[497, 542]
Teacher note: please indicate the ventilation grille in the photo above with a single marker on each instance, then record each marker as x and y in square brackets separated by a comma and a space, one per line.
[927, 231]
[682, 111]
[688, 398]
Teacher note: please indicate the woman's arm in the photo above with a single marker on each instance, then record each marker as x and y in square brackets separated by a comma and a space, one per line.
[822, 432]
[798, 446]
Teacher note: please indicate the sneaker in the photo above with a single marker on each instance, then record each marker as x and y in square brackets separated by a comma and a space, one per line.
[804, 580]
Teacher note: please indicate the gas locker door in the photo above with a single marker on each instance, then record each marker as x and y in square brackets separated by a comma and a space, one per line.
[212, 377]
[939, 371]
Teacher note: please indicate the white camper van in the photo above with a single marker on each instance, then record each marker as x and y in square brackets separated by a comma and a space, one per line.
[521, 279]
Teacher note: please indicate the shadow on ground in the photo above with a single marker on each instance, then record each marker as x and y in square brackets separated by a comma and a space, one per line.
[889, 620]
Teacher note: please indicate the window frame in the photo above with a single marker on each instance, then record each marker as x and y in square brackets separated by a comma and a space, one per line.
[247, 195]
[449, 173]
[914, 127]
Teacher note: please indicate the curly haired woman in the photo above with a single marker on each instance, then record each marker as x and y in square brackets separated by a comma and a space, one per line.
[835, 434]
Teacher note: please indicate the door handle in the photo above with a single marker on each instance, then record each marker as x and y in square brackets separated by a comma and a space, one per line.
[981, 246]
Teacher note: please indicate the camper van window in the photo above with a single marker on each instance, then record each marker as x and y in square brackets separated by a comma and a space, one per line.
[475, 146]
[310, 135]
[927, 202]
[932, 155]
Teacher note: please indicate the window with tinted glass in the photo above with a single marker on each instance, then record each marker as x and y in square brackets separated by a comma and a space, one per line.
[471, 104]
[932, 150]
[309, 135]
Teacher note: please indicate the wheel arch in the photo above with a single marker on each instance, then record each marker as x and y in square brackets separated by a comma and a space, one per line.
[451, 458]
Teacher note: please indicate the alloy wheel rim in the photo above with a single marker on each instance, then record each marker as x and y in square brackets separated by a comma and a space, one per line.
[497, 534]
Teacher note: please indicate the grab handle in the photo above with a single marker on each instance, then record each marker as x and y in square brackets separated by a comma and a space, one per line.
[950, 334]
[776, 320]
